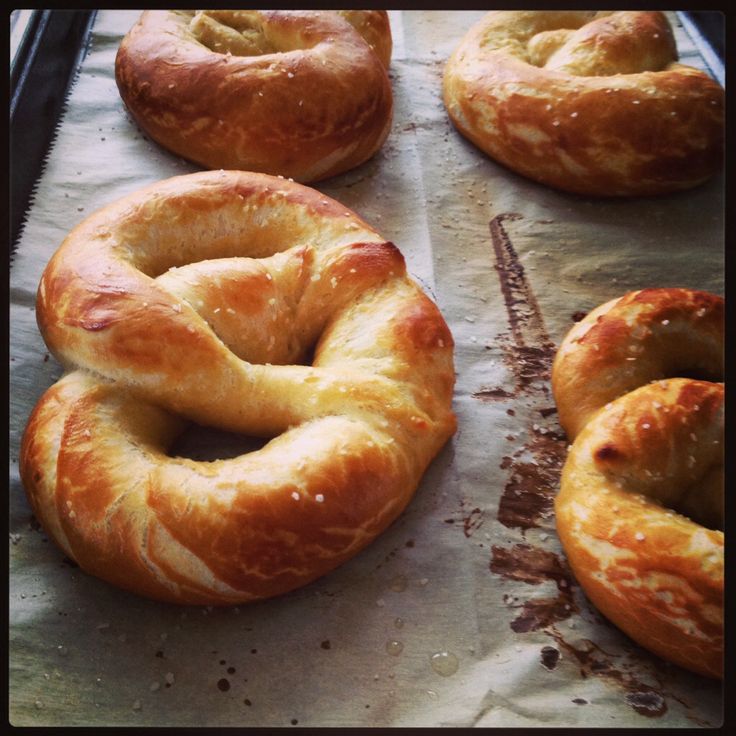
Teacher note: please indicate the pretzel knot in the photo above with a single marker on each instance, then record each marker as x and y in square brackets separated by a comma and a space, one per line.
[303, 94]
[588, 102]
[251, 304]
[641, 503]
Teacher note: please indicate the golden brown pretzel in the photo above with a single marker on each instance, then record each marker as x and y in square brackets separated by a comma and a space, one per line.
[252, 304]
[588, 102]
[640, 508]
[303, 94]
[632, 340]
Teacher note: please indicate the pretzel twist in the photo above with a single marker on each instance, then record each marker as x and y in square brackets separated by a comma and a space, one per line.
[640, 507]
[302, 94]
[258, 306]
[588, 102]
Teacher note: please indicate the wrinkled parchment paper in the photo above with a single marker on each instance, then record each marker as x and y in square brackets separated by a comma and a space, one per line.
[464, 612]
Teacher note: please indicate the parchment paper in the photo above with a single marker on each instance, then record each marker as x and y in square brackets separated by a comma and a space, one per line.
[464, 612]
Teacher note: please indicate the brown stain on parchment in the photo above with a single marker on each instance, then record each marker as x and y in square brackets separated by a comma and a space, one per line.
[534, 565]
[533, 473]
[534, 468]
[643, 698]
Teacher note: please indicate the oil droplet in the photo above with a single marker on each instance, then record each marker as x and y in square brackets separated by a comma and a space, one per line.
[399, 583]
[399, 623]
[394, 648]
[444, 663]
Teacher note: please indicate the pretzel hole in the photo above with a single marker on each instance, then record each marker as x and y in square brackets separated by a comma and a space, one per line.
[235, 32]
[207, 444]
[699, 372]
[704, 501]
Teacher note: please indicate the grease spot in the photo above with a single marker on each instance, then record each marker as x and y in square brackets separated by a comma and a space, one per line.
[444, 663]
[550, 656]
[647, 703]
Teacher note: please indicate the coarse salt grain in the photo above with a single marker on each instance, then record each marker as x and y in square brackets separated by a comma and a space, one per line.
[319, 498]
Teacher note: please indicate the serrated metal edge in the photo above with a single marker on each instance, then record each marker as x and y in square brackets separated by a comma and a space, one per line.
[74, 78]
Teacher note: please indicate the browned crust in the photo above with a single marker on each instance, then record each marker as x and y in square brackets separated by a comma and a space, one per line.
[642, 133]
[655, 573]
[352, 433]
[317, 109]
[642, 336]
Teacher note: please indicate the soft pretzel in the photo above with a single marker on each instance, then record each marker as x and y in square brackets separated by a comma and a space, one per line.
[251, 304]
[632, 340]
[588, 102]
[302, 94]
[640, 507]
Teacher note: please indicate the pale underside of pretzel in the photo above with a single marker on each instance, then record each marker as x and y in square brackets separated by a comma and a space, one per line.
[302, 94]
[641, 502]
[258, 306]
[588, 102]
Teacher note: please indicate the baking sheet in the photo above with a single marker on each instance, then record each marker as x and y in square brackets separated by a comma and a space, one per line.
[464, 612]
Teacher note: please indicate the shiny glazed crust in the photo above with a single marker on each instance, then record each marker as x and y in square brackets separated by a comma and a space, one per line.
[655, 573]
[588, 102]
[251, 304]
[640, 511]
[297, 93]
[627, 342]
